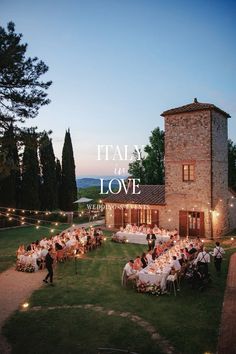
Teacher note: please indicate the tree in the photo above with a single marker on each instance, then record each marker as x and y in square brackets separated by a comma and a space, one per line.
[10, 176]
[136, 168]
[30, 171]
[68, 180]
[48, 195]
[22, 92]
[232, 164]
[154, 162]
[58, 179]
[150, 169]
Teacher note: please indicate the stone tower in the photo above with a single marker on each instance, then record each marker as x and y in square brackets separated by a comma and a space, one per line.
[196, 169]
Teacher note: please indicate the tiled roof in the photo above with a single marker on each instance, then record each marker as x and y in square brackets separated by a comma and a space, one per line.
[150, 194]
[195, 106]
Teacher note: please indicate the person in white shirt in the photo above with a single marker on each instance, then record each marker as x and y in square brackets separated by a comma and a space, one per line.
[44, 252]
[218, 256]
[202, 260]
[175, 264]
[149, 257]
[130, 271]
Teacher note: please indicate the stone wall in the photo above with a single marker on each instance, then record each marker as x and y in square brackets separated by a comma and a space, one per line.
[232, 210]
[219, 174]
[188, 140]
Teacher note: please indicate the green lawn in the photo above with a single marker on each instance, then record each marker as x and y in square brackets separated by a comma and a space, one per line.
[189, 321]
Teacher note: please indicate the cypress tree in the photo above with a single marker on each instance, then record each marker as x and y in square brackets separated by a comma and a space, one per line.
[58, 178]
[48, 193]
[68, 182]
[10, 175]
[30, 172]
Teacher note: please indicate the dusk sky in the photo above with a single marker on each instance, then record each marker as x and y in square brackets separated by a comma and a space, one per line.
[116, 65]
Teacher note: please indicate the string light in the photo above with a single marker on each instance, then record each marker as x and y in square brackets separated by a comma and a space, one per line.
[28, 223]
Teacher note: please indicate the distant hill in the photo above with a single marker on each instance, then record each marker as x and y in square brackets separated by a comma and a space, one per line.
[93, 182]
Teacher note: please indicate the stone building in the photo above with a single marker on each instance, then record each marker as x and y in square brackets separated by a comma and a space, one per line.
[196, 198]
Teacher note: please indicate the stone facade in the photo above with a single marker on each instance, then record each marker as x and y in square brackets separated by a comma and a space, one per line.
[188, 141]
[196, 136]
[232, 210]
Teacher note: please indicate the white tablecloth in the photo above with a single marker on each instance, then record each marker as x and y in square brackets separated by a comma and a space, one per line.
[154, 278]
[29, 260]
[139, 237]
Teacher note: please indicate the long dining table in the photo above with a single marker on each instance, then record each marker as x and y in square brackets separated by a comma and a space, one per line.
[139, 237]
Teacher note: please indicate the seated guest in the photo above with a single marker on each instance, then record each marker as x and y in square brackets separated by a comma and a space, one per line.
[156, 229]
[21, 251]
[134, 228]
[58, 246]
[168, 233]
[29, 247]
[154, 254]
[130, 271]
[175, 232]
[163, 231]
[149, 229]
[137, 263]
[182, 260]
[149, 257]
[98, 238]
[144, 260]
[175, 263]
[192, 250]
[186, 253]
[128, 228]
[144, 229]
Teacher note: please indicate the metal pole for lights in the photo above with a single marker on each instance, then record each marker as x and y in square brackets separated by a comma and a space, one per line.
[75, 262]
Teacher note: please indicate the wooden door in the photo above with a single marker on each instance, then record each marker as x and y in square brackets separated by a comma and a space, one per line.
[183, 223]
[191, 223]
[118, 222]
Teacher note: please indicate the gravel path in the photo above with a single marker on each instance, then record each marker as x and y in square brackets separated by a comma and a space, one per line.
[15, 289]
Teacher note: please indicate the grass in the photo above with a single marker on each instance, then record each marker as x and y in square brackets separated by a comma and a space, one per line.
[189, 321]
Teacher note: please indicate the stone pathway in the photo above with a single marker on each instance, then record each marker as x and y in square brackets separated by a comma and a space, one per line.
[227, 336]
[15, 289]
[164, 345]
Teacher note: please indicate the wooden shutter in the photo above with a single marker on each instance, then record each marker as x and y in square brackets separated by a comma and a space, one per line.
[117, 218]
[202, 225]
[155, 217]
[183, 222]
[134, 216]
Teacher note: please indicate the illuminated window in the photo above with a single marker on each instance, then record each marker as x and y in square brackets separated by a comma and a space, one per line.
[149, 216]
[188, 173]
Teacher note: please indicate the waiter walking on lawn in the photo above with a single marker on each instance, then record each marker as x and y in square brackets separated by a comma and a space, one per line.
[49, 263]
